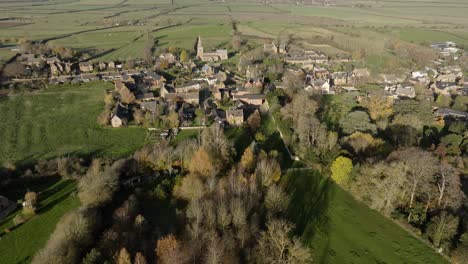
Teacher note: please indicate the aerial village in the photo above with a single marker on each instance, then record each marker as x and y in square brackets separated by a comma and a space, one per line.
[195, 92]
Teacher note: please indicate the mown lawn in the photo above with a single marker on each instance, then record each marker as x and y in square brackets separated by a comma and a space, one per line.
[61, 121]
[340, 229]
[55, 199]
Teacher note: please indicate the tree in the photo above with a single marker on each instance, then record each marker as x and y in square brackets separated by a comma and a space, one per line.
[443, 101]
[126, 96]
[138, 116]
[442, 228]
[248, 159]
[191, 188]
[448, 186]
[139, 259]
[217, 146]
[381, 185]
[361, 142]
[460, 103]
[168, 251]
[268, 171]
[418, 176]
[14, 69]
[357, 121]
[104, 117]
[460, 254]
[341, 170]
[254, 121]
[124, 257]
[73, 233]
[184, 56]
[406, 129]
[379, 107]
[99, 184]
[275, 246]
[30, 202]
[236, 42]
[201, 164]
[172, 120]
[93, 257]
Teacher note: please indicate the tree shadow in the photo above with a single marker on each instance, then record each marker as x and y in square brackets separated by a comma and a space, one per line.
[310, 195]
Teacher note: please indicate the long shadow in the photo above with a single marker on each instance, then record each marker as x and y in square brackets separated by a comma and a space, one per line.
[310, 195]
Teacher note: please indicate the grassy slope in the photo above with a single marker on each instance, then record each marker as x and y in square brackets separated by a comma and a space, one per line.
[55, 199]
[61, 121]
[341, 230]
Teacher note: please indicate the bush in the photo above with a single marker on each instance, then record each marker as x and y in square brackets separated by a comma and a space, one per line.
[72, 234]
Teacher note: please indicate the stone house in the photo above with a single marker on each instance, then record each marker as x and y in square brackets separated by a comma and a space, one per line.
[235, 116]
[119, 116]
[187, 87]
[217, 55]
[252, 99]
[270, 48]
[339, 78]
[86, 67]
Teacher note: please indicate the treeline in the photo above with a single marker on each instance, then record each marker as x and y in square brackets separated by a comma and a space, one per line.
[397, 157]
[223, 210]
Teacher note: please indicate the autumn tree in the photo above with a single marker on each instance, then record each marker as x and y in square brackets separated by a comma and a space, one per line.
[168, 251]
[268, 171]
[30, 203]
[382, 185]
[201, 163]
[248, 159]
[406, 129]
[275, 245]
[362, 142]
[379, 106]
[126, 95]
[254, 121]
[341, 170]
[418, 176]
[123, 257]
[448, 186]
[99, 183]
[184, 56]
[14, 69]
[139, 259]
[220, 149]
[442, 228]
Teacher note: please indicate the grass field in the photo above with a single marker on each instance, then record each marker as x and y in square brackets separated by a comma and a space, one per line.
[341, 230]
[61, 121]
[55, 199]
[91, 24]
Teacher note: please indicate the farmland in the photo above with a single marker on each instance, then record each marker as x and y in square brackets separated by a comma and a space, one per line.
[55, 199]
[122, 27]
[61, 121]
[343, 230]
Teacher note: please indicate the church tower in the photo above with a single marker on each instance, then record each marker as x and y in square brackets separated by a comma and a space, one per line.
[199, 48]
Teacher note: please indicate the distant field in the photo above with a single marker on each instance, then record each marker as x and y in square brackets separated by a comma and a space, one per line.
[342, 230]
[55, 199]
[85, 24]
[61, 121]
[424, 36]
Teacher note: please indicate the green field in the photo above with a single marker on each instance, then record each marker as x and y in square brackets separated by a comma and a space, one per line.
[55, 199]
[341, 230]
[61, 121]
[103, 24]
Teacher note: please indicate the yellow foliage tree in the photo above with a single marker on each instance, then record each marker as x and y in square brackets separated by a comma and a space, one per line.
[201, 163]
[379, 107]
[341, 170]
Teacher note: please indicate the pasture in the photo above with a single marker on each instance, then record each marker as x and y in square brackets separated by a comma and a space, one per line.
[340, 229]
[61, 121]
[55, 199]
[121, 26]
